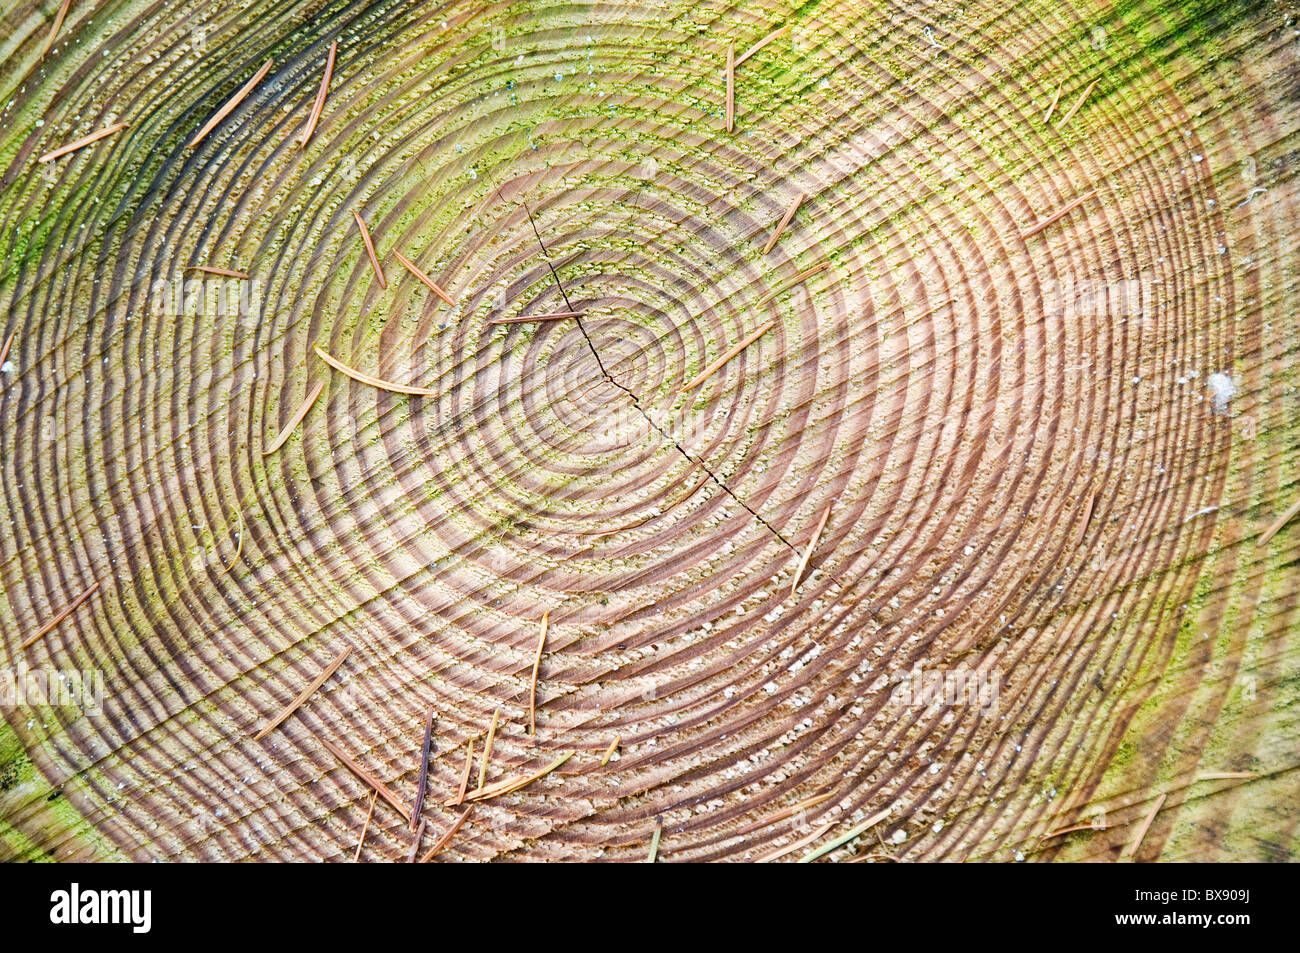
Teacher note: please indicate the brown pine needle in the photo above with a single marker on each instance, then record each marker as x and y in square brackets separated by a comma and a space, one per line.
[781, 815]
[239, 549]
[76, 603]
[1052, 108]
[58, 25]
[464, 775]
[1133, 846]
[306, 693]
[1056, 216]
[372, 381]
[1078, 105]
[1268, 534]
[446, 838]
[1069, 830]
[295, 420]
[609, 752]
[231, 103]
[4, 351]
[654, 841]
[487, 751]
[422, 783]
[807, 553]
[1087, 519]
[374, 796]
[415, 844]
[424, 279]
[1227, 776]
[537, 664]
[785, 220]
[223, 272]
[530, 318]
[840, 841]
[319, 104]
[760, 44]
[367, 777]
[796, 280]
[731, 86]
[510, 785]
[720, 362]
[82, 142]
[370, 249]
[797, 845]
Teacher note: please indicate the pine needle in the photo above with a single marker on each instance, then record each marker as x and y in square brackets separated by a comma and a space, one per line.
[83, 142]
[1268, 534]
[731, 86]
[372, 381]
[609, 752]
[230, 105]
[415, 844]
[424, 279]
[531, 318]
[446, 838]
[1052, 108]
[76, 603]
[239, 549]
[782, 814]
[367, 777]
[760, 44]
[785, 220]
[537, 664]
[807, 553]
[374, 796]
[1141, 834]
[223, 272]
[319, 104]
[464, 775]
[487, 750]
[654, 840]
[720, 362]
[295, 420]
[1057, 216]
[797, 845]
[4, 351]
[1078, 105]
[510, 785]
[306, 693]
[825, 849]
[423, 781]
[370, 249]
[54, 30]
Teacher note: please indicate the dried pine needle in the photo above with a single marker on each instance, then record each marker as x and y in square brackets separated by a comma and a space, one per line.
[424, 279]
[654, 841]
[76, 603]
[82, 142]
[609, 752]
[731, 86]
[446, 838]
[825, 849]
[487, 750]
[720, 362]
[222, 272]
[58, 25]
[1227, 776]
[807, 553]
[4, 351]
[1079, 104]
[537, 664]
[306, 693]
[230, 105]
[415, 843]
[1141, 834]
[319, 104]
[797, 845]
[367, 777]
[423, 780]
[370, 249]
[1052, 108]
[760, 44]
[531, 318]
[510, 785]
[785, 812]
[1268, 534]
[374, 796]
[239, 549]
[372, 381]
[464, 775]
[295, 420]
[785, 220]
[1056, 216]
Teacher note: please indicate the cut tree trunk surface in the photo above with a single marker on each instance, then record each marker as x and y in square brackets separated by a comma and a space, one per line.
[892, 472]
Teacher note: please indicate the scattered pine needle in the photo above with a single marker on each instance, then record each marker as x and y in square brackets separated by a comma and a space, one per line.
[374, 796]
[609, 752]
[796, 280]
[306, 693]
[1056, 216]
[76, 603]
[785, 220]
[446, 838]
[464, 775]
[319, 104]
[295, 420]
[370, 249]
[654, 841]
[720, 362]
[372, 381]
[83, 142]
[4, 351]
[1133, 846]
[797, 845]
[58, 25]
[731, 86]
[239, 549]
[760, 44]
[415, 844]
[825, 849]
[487, 750]
[807, 553]
[367, 777]
[782, 814]
[1052, 108]
[1268, 534]
[1069, 830]
[510, 785]
[223, 272]
[1078, 105]
[1087, 519]
[537, 664]
[1227, 776]
[231, 103]
[425, 279]
[422, 783]
[530, 318]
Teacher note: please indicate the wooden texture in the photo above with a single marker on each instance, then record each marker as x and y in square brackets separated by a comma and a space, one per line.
[1034, 473]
